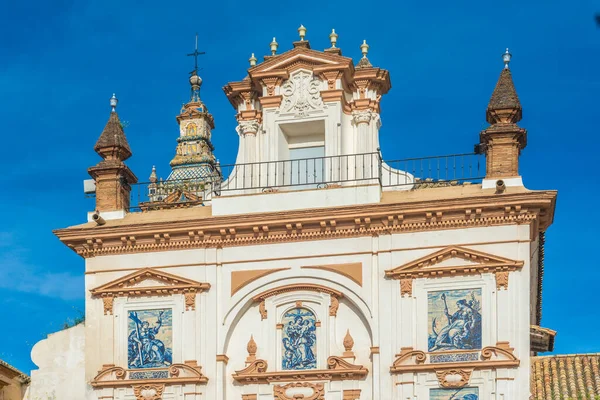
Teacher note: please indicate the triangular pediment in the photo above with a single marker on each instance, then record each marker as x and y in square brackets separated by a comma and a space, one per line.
[453, 260]
[300, 56]
[149, 281]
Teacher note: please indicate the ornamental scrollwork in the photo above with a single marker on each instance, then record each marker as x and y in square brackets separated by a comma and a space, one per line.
[301, 94]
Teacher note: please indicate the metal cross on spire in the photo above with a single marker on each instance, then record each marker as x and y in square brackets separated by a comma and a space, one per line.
[196, 53]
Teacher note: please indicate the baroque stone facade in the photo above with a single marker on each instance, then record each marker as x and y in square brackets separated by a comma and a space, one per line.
[352, 282]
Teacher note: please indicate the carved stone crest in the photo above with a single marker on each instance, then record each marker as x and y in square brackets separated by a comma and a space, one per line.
[148, 392]
[301, 94]
[453, 378]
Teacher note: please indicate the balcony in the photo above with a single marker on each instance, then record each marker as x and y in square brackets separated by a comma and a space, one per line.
[309, 174]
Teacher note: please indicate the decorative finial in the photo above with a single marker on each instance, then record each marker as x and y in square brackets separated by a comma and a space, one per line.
[302, 32]
[333, 38]
[251, 348]
[153, 177]
[348, 341]
[364, 47]
[195, 54]
[274, 46]
[252, 60]
[506, 58]
[113, 103]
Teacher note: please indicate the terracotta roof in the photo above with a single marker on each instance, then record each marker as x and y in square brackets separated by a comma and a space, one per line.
[573, 376]
[504, 95]
[113, 136]
[24, 378]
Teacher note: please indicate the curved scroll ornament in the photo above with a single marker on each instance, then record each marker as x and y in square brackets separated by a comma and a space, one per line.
[502, 348]
[280, 392]
[301, 94]
[407, 353]
[108, 370]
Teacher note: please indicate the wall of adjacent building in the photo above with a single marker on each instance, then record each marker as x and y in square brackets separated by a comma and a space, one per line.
[60, 361]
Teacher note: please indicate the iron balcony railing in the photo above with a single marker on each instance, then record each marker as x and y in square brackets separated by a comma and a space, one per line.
[311, 173]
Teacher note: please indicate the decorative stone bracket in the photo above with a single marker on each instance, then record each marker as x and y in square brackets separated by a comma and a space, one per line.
[131, 285]
[177, 374]
[334, 303]
[476, 263]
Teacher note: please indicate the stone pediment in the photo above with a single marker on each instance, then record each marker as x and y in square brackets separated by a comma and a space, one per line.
[452, 261]
[297, 57]
[149, 282]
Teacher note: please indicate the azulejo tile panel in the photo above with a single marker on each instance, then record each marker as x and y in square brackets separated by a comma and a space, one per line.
[466, 393]
[454, 318]
[150, 338]
[453, 357]
[299, 341]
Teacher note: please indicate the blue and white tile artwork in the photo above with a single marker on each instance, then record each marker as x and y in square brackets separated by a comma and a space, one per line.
[466, 393]
[299, 340]
[454, 318]
[150, 338]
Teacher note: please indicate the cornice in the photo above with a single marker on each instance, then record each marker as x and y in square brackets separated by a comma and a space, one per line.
[533, 208]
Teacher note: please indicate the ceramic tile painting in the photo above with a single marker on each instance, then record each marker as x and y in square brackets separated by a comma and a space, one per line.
[299, 339]
[454, 394]
[454, 318]
[150, 338]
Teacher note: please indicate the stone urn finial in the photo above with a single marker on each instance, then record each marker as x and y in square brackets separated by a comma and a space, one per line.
[348, 341]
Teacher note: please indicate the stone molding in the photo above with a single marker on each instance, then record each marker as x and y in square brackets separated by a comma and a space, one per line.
[351, 394]
[337, 369]
[334, 296]
[177, 374]
[533, 208]
[128, 286]
[240, 279]
[352, 271]
[490, 357]
[279, 391]
[478, 263]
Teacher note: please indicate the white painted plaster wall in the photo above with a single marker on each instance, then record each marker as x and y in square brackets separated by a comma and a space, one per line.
[60, 361]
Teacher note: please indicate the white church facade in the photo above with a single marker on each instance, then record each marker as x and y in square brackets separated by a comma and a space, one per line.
[311, 269]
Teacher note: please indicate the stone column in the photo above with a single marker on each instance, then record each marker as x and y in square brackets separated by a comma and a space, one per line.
[360, 165]
[249, 171]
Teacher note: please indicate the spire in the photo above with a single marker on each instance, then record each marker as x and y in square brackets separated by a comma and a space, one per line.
[504, 106]
[112, 143]
[503, 141]
[112, 177]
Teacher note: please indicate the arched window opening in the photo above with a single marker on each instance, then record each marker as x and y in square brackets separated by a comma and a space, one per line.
[299, 340]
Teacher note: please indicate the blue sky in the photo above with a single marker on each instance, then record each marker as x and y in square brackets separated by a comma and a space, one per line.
[61, 61]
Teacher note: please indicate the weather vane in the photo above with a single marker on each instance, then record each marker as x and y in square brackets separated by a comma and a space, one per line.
[196, 53]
